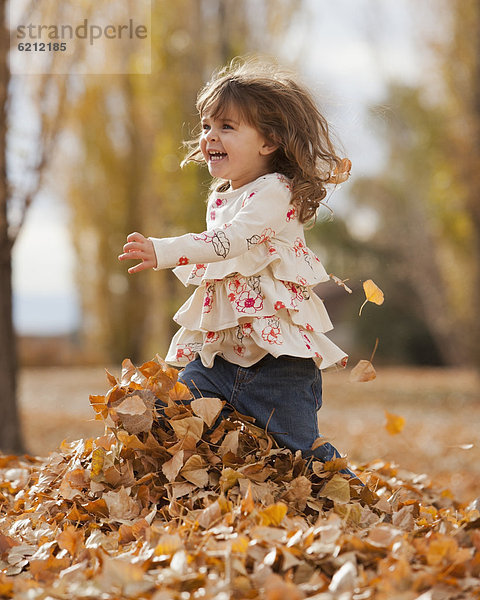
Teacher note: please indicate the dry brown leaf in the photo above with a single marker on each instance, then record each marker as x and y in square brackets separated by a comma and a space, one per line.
[179, 392]
[207, 409]
[337, 489]
[340, 282]
[71, 540]
[172, 467]
[362, 371]
[101, 515]
[121, 505]
[192, 426]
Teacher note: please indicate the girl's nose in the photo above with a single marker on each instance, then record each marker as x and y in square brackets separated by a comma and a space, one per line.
[211, 135]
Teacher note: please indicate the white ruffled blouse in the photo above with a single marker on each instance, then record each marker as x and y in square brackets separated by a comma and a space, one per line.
[255, 276]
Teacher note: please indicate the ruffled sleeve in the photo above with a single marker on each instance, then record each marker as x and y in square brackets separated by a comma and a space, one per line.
[260, 218]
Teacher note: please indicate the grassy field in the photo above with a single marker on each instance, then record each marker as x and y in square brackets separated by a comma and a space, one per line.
[441, 409]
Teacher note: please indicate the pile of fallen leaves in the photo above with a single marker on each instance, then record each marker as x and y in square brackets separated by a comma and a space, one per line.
[185, 505]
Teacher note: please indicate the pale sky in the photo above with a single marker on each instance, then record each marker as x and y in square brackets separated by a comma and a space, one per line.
[357, 45]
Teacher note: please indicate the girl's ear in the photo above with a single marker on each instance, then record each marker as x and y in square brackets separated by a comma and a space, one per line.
[268, 148]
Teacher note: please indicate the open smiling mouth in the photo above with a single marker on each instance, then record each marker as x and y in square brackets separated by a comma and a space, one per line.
[214, 156]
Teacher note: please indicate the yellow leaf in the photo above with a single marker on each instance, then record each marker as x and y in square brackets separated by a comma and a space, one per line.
[240, 544]
[372, 294]
[394, 423]
[229, 478]
[363, 371]
[98, 459]
[273, 515]
[168, 544]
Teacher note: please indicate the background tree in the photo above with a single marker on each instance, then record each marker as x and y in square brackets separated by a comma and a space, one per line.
[25, 157]
[425, 248]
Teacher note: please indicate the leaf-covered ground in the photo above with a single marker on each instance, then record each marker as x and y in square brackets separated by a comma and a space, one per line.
[175, 509]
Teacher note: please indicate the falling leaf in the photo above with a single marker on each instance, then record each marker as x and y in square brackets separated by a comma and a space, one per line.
[341, 172]
[340, 282]
[372, 294]
[394, 424]
[363, 371]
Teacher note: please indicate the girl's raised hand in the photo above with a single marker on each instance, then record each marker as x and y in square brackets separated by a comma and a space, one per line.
[138, 247]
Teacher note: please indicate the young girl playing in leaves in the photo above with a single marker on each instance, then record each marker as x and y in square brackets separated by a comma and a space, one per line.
[252, 333]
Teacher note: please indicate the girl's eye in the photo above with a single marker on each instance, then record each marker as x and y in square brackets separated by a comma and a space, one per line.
[227, 126]
[205, 126]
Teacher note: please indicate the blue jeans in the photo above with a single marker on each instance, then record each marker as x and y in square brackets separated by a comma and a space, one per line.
[285, 392]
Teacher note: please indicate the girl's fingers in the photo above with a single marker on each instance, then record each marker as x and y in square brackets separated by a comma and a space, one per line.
[132, 255]
[129, 246]
[140, 267]
[135, 237]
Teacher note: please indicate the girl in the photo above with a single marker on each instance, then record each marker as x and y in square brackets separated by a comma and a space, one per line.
[252, 333]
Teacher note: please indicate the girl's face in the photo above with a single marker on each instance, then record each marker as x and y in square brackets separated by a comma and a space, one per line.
[234, 150]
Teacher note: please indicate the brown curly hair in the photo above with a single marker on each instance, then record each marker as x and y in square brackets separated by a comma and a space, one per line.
[284, 112]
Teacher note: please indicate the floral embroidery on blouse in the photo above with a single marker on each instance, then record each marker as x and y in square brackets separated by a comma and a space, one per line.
[212, 336]
[249, 302]
[271, 333]
[299, 292]
[248, 198]
[284, 180]
[198, 271]
[219, 240]
[266, 235]
[291, 214]
[183, 260]
[208, 298]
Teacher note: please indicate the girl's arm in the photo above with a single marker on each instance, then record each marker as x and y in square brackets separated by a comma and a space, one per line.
[263, 215]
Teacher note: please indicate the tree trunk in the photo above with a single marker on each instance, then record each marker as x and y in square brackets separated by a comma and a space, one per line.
[10, 436]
